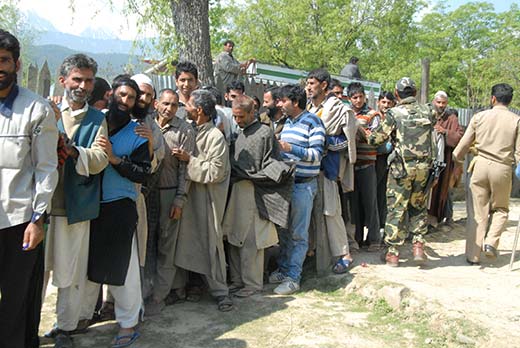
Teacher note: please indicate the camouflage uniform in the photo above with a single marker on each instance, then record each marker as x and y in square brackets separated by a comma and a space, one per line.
[413, 126]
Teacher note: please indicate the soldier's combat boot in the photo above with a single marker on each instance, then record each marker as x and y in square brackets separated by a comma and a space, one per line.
[418, 253]
[391, 259]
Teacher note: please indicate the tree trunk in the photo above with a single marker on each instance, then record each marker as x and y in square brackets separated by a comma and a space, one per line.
[191, 21]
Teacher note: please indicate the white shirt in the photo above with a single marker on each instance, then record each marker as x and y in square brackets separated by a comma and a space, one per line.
[28, 158]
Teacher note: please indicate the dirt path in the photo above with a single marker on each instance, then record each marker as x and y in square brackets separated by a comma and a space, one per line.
[446, 304]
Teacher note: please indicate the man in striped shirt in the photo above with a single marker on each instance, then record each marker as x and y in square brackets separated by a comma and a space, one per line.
[364, 196]
[302, 141]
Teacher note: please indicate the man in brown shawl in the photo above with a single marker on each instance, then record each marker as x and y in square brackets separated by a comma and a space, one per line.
[447, 125]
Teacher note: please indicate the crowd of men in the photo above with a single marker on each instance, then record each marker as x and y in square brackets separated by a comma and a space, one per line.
[160, 194]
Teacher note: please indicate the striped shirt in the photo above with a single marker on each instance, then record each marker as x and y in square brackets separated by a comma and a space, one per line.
[306, 134]
[368, 120]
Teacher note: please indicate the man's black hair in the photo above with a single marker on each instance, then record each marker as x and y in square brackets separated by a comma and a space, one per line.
[354, 60]
[10, 43]
[386, 94]
[503, 92]
[186, 67]
[321, 75]
[274, 92]
[228, 42]
[295, 93]
[335, 83]
[101, 87]
[126, 80]
[354, 88]
[235, 85]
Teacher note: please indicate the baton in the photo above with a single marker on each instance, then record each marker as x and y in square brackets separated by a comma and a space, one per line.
[515, 242]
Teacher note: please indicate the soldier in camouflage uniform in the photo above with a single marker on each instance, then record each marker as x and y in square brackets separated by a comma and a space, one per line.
[410, 164]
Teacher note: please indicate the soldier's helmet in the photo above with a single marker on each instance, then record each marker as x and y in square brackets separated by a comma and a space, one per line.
[404, 83]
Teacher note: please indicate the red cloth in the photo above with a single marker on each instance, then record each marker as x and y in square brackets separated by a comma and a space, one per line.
[62, 154]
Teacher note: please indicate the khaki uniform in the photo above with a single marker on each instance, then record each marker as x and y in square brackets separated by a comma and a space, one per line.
[496, 136]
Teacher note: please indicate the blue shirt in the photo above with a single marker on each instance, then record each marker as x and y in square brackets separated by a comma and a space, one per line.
[115, 186]
[306, 134]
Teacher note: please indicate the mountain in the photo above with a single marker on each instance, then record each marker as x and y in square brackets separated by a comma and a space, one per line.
[94, 40]
[109, 64]
[38, 23]
[84, 44]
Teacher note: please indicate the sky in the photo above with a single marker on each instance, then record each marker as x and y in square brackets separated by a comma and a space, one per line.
[91, 13]
[96, 14]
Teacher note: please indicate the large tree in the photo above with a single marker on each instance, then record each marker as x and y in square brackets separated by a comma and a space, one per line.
[183, 27]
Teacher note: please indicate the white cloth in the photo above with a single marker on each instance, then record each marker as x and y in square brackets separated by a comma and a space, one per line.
[69, 265]
[66, 250]
[128, 300]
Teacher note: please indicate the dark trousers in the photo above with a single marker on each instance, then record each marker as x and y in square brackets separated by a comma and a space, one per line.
[364, 204]
[21, 282]
[382, 179]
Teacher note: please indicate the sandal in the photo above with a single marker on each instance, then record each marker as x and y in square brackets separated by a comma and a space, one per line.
[243, 293]
[132, 338]
[341, 266]
[173, 298]
[82, 328]
[224, 303]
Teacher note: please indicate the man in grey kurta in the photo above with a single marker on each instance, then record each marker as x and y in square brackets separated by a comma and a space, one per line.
[172, 190]
[260, 197]
[227, 67]
[200, 247]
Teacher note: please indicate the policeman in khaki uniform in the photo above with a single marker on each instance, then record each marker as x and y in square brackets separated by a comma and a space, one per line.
[496, 134]
[410, 162]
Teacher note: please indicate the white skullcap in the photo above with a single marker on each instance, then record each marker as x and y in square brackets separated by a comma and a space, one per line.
[143, 79]
[441, 95]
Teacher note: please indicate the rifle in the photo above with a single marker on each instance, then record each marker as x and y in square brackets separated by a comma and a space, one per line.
[438, 164]
[433, 176]
[396, 165]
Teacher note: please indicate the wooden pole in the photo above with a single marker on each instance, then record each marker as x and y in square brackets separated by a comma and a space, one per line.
[425, 80]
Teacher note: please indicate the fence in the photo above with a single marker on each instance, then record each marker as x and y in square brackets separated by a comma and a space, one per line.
[37, 80]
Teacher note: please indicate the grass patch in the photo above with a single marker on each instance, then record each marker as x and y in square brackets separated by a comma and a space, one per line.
[417, 328]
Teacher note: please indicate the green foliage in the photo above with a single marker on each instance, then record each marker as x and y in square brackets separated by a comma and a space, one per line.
[470, 48]
[12, 20]
[309, 33]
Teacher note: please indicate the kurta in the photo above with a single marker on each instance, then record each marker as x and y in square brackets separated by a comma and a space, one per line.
[227, 68]
[328, 228]
[66, 247]
[145, 221]
[199, 246]
[256, 158]
[242, 218]
[452, 136]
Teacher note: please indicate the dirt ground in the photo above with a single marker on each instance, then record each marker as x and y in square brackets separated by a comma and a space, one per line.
[444, 304]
